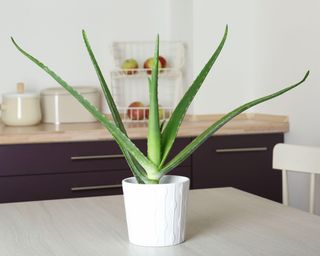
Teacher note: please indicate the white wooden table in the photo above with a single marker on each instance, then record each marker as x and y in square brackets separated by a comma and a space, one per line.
[222, 221]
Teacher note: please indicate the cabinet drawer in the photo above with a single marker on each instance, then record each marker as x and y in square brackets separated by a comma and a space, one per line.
[243, 162]
[68, 185]
[46, 158]
[54, 186]
[59, 157]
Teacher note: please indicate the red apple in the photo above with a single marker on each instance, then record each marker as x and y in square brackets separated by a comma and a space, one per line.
[129, 66]
[136, 111]
[149, 62]
[163, 62]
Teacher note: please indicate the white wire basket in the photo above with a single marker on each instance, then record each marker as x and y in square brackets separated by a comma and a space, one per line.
[173, 52]
[131, 85]
[135, 88]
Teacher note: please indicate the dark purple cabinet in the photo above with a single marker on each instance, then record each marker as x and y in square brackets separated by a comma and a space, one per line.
[49, 158]
[79, 169]
[66, 185]
[64, 170]
[240, 161]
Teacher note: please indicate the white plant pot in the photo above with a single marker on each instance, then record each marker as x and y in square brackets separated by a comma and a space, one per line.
[156, 213]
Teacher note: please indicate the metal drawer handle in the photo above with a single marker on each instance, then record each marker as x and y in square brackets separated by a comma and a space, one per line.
[231, 150]
[95, 187]
[74, 158]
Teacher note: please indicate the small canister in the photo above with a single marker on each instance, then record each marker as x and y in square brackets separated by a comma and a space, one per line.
[59, 106]
[21, 108]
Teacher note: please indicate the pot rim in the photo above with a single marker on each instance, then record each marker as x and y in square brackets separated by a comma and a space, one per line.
[179, 179]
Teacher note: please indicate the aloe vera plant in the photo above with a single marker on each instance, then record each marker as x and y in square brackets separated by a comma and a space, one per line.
[149, 169]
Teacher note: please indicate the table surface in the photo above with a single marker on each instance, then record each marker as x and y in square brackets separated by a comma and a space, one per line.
[221, 221]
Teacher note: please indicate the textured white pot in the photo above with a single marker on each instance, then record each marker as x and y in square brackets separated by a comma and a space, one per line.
[156, 213]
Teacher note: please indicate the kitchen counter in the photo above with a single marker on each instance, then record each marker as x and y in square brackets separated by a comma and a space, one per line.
[192, 126]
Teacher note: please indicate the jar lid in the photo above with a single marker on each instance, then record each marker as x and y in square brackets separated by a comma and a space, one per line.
[62, 91]
[21, 95]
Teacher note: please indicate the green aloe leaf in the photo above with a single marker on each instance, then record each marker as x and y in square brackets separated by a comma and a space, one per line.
[188, 150]
[114, 111]
[138, 172]
[162, 125]
[117, 134]
[171, 130]
[154, 135]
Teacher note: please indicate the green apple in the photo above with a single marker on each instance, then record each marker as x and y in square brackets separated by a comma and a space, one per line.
[162, 112]
[129, 66]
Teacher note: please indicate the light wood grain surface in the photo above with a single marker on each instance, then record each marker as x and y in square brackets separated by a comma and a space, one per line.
[192, 126]
[222, 221]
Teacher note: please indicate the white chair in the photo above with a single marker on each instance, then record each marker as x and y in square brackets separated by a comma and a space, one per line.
[297, 158]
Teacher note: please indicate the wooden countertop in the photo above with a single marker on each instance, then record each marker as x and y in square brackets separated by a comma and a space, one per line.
[220, 221]
[192, 126]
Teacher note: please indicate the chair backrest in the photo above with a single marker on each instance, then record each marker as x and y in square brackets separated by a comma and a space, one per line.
[297, 158]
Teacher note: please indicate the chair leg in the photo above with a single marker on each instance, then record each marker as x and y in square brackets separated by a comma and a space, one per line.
[312, 192]
[285, 197]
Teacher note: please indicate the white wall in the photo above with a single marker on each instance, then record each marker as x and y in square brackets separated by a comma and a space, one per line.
[180, 13]
[51, 30]
[230, 82]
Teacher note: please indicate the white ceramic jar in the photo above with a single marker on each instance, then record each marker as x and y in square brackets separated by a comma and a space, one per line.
[59, 106]
[156, 213]
[20, 108]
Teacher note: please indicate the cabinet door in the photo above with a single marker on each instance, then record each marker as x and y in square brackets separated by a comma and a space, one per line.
[240, 161]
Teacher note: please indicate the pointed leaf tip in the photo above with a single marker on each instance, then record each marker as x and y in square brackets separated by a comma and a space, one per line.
[305, 76]
[13, 41]
[84, 34]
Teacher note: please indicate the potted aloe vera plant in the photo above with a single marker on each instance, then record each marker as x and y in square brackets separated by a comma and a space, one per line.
[155, 202]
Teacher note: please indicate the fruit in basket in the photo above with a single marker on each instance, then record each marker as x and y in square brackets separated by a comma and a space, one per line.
[163, 62]
[149, 62]
[162, 112]
[136, 111]
[148, 65]
[129, 66]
